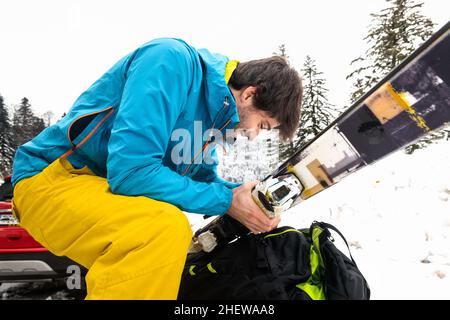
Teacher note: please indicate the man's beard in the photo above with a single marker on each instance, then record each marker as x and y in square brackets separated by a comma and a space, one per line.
[241, 128]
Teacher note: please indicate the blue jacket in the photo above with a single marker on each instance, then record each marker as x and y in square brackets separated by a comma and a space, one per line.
[121, 127]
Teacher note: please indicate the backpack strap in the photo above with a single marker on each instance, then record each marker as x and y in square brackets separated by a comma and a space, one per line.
[325, 225]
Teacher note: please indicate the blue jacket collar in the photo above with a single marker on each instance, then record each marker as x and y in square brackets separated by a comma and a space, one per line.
[220, 101]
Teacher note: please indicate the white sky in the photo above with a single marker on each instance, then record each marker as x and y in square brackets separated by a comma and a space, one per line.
[51, 51]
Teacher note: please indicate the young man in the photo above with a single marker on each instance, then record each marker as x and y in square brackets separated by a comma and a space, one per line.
[112, 185]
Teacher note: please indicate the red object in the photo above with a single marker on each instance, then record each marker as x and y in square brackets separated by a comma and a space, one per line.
[15, 238]
[21, 257]
[6, 206]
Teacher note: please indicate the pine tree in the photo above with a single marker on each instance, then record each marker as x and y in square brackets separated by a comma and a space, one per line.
[25, 124]
[317, 112]
[6, 141]
[23, 121]
[282, 52]
[394, 34]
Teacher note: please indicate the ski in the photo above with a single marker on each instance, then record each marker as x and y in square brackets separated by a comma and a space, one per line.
[407, 104]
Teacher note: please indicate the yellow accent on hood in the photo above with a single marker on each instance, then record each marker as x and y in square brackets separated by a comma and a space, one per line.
[230, 67]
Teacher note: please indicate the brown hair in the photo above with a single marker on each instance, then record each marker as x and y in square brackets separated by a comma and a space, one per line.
[279, 90]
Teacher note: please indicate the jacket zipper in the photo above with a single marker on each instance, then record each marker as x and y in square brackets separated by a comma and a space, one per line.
[74, 147]
[207, 143]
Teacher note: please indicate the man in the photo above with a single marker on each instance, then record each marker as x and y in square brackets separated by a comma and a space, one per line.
[112, 187]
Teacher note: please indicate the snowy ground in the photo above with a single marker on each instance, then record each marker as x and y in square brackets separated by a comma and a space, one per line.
[396, 215]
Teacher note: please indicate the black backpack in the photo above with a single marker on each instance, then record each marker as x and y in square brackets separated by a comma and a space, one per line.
[285, 264]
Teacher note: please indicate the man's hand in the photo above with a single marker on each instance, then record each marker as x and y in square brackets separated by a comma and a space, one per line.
[244, 209]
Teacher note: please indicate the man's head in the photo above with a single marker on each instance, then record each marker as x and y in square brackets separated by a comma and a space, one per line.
[268, 94]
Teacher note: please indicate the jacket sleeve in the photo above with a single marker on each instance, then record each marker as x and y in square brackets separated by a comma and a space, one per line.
[154, 94]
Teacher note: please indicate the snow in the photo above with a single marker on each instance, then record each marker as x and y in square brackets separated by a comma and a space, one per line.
[395, 215]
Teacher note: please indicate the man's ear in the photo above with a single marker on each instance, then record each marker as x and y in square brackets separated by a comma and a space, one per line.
[248, 93]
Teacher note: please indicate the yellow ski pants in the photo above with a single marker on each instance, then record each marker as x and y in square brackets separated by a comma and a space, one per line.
[134, 247]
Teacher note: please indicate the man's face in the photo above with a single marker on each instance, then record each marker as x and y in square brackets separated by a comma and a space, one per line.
[252, 120]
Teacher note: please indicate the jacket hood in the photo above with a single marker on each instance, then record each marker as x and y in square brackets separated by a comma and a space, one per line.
[222, 106]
